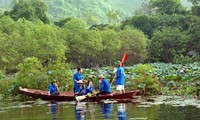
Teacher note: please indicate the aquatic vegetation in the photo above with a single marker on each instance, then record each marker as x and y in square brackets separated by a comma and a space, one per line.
[153, 79]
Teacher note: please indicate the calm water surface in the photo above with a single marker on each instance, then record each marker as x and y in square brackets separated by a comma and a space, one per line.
[34, 110]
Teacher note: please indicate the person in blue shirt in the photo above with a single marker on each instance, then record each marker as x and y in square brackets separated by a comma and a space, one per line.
[120, 78]
[104, 86]
[77, 76]
[53, 89]
[80, 89]
[89, 88]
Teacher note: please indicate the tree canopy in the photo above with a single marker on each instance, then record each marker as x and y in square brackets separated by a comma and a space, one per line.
[167, 6]
[158, 37]
[32, 10]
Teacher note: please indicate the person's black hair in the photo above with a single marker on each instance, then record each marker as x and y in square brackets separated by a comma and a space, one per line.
[88, 82]
[53, 82]
[78, 69]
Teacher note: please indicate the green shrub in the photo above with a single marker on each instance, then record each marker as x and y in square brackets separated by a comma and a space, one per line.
[145, 78]
[8, 87]
[61, 72]
[29, 71]
[32, 74]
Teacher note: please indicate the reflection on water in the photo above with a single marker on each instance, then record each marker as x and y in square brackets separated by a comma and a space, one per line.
[53, 110]
[106, 110]
[80, 110]
[121, 111]
[94, 111]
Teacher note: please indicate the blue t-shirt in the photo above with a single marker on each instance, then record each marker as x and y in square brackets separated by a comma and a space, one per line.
[120, 76]
[105, 86]
[77, 76]
[79, 90]
[88, 90]
[52, 88]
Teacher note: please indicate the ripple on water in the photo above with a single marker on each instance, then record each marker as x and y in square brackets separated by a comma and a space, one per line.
[28, 102]
[198, 106]
[142, 118]
[2, 111]
[20, 106]
[144, 106]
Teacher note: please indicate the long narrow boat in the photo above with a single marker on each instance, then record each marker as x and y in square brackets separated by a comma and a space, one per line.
[69, 96]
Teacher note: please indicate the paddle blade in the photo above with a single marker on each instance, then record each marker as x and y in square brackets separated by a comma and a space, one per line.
[79, 98]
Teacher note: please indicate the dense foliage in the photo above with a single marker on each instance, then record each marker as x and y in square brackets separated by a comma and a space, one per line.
[34, 51]
[95, 11]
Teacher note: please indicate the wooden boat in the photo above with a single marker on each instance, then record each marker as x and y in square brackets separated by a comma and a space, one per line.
[69, 96]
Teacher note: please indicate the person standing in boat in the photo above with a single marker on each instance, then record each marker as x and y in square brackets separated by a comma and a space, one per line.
[120, 77]
[77, 76]
[104, 86]
[89, 88]
[53, 88]
[80, 89]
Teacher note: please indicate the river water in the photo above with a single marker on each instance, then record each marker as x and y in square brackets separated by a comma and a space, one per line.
[41, 110]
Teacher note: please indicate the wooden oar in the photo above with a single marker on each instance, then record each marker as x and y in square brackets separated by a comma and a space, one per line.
[80, 98]
[112, 80]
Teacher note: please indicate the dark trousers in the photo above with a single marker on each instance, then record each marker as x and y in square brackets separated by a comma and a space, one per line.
[55, 93]
[80, 94]
[102, 93]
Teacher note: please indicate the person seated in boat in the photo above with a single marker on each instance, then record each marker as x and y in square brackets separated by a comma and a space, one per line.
[89, 88]
[80, 89]
[53, 88]
[104, 86]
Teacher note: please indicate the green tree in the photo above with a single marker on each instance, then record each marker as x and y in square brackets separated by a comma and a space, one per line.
[196, 7]
[165, 43]
[167, 6]
[60, 71]
[193, 41]
[146, 9]
[82, 42]
[91, 20]
[113, 17]
[196, 10]
[143, 22]
[24, 39]
[62, 22]
[111, 45]
[32, 10]
[28, 73]
[195, 2]
[135, 43]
